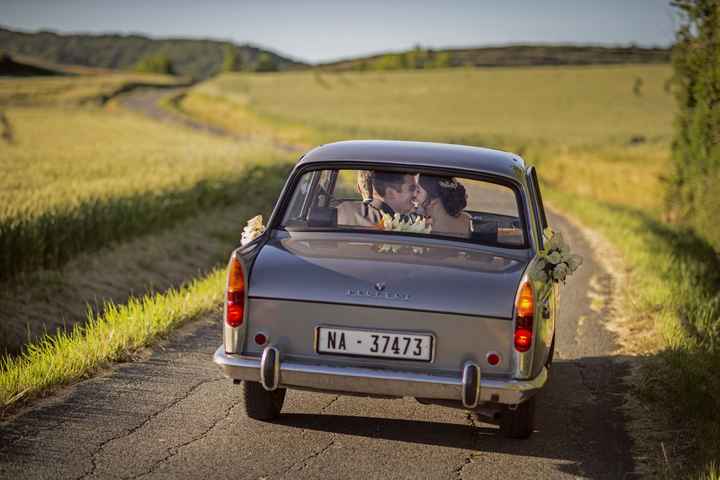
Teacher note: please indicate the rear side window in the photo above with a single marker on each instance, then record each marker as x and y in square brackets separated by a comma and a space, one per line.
[408, 203]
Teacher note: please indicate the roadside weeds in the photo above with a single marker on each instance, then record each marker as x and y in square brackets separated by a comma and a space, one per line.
[669, 319]
[112, 336]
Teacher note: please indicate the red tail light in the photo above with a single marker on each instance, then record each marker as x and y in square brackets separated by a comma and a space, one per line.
[524, 312]
[235, 306]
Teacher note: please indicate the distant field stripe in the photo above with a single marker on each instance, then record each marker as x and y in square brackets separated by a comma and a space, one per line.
[112, 336]
[51, 238]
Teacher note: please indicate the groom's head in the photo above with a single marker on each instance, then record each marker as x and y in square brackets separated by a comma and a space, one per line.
[397, 190]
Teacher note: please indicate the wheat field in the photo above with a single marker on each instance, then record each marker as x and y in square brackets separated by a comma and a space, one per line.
[72, 89]
[77, 176]
[569, 105]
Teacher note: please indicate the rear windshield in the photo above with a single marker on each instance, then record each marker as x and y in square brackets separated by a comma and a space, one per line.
[406, 203]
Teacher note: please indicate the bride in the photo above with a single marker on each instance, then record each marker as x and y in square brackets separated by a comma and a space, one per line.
[443, 200]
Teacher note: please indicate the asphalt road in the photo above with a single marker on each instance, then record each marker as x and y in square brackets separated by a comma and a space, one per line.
[172, 415]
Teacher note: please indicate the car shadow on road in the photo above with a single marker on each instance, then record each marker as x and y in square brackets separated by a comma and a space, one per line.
[579, 424]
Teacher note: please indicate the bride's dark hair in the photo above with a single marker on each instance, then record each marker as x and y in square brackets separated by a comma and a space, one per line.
[450, 192]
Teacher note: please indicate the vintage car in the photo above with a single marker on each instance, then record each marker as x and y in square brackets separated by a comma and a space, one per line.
[420, 290]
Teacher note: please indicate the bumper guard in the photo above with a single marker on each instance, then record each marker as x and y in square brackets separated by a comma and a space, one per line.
[468, 386]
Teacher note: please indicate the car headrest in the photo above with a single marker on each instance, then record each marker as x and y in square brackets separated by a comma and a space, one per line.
[485, 231]
[320, 217]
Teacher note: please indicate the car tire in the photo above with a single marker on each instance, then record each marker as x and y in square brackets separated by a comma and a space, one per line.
[261, 404]
[518, 423]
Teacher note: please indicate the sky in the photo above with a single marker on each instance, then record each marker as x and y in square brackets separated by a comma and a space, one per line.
[323, 30]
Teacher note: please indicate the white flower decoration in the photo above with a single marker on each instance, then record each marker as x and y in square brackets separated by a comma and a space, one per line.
[574, 261]
[539, 275]
[397, 224]
[388, 248]
[252, 230]
[451, 184]
[557, 262]
[554, 258]
[560, 272]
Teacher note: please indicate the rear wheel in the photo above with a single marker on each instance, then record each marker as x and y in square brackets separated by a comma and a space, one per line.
[261, 404]
[518, 423]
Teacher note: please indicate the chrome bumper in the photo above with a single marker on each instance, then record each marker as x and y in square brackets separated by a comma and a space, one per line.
[375, 381]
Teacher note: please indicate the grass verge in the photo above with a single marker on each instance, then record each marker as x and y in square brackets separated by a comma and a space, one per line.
[675, 284]
[111, 336]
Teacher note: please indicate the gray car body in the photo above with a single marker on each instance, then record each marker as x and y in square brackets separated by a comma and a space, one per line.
[462, 293]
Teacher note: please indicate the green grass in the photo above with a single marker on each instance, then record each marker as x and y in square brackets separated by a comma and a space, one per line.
[675, 304]
[711, 472]
[78, 179]
[112, 336]
[602, 152]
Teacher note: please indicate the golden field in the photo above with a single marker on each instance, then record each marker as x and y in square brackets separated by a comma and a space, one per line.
[569, 105]
[77, 177]
[64, 90]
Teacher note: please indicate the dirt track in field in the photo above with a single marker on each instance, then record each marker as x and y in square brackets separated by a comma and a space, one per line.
[172, 415]
[147, 102]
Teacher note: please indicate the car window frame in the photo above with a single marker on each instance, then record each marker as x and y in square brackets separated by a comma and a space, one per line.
[514, 184]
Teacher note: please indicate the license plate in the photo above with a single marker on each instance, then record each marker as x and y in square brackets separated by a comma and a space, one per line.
[369, 343]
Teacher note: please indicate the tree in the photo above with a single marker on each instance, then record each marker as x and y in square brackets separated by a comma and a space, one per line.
[391, 61]
[155, 63]
[441, 60]
[416, 58]
[232, 61]
[266, 63]
[692, 195]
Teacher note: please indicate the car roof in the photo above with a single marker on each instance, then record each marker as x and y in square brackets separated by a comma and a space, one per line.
[419, 154]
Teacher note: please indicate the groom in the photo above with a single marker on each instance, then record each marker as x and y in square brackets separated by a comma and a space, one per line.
[391, 193]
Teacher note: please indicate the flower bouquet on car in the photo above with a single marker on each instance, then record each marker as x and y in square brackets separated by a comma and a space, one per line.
[402, 223]
[557, 262]
[252, 230]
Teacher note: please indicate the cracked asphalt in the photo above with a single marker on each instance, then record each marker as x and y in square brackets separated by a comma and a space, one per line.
[172, 415]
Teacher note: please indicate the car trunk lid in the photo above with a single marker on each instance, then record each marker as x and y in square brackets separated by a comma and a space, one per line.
[388, 271]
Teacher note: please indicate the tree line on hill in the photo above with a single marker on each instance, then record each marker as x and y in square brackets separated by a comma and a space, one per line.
[196, 59]
[503, 56]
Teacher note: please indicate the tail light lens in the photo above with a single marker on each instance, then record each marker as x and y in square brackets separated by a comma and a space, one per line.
[524, 312]
[235, 304]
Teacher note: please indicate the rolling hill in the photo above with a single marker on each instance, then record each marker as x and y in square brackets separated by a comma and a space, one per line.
[195, 58]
